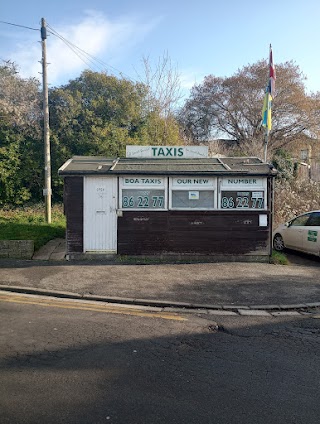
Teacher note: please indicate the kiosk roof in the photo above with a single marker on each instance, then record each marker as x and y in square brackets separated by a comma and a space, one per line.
[97, 165]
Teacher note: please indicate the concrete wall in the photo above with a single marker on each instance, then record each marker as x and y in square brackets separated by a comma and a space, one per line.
[16, 249]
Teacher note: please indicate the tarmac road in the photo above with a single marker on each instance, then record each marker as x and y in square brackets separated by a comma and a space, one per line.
[68, 362]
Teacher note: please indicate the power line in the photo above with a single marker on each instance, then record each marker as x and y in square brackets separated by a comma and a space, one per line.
[20, 26]
[85, 56]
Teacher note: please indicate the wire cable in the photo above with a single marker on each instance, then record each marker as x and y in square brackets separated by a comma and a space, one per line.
[86, 57]
[20, 26]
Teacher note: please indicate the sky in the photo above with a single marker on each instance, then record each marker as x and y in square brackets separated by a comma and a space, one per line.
[201, 37]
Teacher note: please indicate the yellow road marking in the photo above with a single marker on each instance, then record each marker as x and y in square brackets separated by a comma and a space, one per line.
[64, 304]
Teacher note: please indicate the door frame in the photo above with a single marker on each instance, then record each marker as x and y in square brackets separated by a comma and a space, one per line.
[108, 232]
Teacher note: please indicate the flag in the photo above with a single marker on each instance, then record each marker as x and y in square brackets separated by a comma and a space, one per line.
[270, 91]
[272, 74]
[266, 111]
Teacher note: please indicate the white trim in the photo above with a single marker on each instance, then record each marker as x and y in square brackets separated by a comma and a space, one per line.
[63, 167]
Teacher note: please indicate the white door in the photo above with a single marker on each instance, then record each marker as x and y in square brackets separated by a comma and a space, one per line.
[100, 214]
[293, 235]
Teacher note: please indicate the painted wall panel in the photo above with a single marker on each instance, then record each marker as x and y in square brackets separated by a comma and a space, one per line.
[73, 207]
[210, 232]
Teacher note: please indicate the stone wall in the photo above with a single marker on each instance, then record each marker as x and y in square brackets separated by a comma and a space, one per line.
[16, 249]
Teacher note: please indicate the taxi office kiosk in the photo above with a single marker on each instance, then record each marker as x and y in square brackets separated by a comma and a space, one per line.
[167, 200]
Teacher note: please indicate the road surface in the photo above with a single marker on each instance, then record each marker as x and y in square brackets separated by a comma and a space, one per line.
[77, 362]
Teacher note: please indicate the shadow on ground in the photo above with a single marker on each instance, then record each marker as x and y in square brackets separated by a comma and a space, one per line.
[93, 370]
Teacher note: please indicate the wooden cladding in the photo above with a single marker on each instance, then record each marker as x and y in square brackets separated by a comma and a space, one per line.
[73, 207]
[193, 232]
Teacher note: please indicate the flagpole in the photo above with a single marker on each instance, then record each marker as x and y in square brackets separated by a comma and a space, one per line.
[266, 139]
[266, 111]
[266, 136]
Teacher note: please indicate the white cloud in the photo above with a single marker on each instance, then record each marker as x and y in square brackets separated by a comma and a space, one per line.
[95, 34]
[189, 78]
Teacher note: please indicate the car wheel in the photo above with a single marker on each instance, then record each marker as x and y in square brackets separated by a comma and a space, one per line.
[278, 243]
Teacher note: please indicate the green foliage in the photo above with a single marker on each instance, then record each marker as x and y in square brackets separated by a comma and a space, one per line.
[29, 224]
[284, 164]
[95, 114]
[279, 258]
[20, 156]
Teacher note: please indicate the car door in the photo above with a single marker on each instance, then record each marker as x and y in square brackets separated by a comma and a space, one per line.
[311, 235]
[294, 233]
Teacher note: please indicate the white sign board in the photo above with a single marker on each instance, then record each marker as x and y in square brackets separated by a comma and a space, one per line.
[143, 181]
[193, 182]
[242, 183]
[167, 152]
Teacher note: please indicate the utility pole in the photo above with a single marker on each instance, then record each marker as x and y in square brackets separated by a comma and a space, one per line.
[46, 129]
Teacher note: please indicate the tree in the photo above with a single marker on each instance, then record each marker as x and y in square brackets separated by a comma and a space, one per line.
[91, 102]
[20, 134]
[231, 108]
[99, 114]
[163, 93]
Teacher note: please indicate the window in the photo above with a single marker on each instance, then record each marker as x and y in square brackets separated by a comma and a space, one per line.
[187, 199]
[304, 154]
[300, 221]
[242, 200]
[143, 199]
[198, 193]
[314, 219]
[242, 193]
[143, 193]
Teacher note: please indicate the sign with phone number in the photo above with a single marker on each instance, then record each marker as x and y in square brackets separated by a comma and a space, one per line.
[242, 200]
[143, 199]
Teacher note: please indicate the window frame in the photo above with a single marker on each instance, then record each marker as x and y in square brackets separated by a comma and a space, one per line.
[258, 184]
[192, 186]
[143, 186]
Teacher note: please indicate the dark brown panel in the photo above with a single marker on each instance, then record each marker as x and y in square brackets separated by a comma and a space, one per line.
[73, 204]
[210, 232]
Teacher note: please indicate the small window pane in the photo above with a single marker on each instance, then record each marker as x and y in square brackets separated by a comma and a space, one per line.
[242, 200]
[143, 199]
[192, 199]
[304, 154]
[314, 219]
[301, 220]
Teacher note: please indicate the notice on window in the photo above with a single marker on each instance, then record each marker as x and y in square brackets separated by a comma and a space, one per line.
[193, 195]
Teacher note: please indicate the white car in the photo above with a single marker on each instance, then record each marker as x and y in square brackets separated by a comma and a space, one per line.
[301, 233]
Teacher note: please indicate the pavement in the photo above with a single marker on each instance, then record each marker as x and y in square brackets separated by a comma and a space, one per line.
[232, 287]
[54, 250]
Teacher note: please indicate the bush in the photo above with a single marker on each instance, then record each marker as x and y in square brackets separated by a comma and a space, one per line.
[294, 197]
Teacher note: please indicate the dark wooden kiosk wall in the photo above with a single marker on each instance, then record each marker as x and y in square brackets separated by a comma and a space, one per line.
[234, 224]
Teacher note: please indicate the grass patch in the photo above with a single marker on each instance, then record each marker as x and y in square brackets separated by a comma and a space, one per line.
[279, 258]
[28, 223]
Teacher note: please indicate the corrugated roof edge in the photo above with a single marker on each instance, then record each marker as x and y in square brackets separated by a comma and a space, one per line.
[104, 165]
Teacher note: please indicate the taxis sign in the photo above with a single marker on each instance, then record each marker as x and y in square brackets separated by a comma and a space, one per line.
[167, 152]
